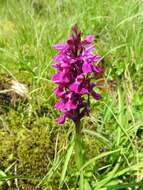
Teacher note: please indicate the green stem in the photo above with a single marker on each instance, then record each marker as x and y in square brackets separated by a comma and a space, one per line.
[80, 156]
[79, 151]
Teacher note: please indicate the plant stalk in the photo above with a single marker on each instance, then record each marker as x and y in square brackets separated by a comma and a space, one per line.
[79, 149]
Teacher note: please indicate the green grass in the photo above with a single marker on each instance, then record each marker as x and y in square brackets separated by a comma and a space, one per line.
[33, 147]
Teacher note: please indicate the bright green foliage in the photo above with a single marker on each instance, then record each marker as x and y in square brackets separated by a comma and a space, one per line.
[34, 150]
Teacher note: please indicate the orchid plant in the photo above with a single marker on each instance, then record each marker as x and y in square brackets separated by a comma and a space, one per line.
[77, 68]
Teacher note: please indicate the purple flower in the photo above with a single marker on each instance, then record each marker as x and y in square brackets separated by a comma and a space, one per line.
[76, 70]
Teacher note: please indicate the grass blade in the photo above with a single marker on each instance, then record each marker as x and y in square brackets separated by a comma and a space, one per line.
[67, 159]
[98, 157]
[97, 135]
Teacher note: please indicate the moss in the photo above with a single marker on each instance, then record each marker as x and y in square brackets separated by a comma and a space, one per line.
[30, 141]
[7, 150]
[29, 147]
[32, 152]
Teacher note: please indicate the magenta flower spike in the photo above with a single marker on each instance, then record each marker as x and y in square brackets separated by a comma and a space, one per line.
[76, 70]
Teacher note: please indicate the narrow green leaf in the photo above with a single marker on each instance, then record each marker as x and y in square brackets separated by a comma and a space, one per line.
[99, 157]
[99, 136]
[134, 167]
[81, 181]
[123, 186]
[67, 159]
[2, 177]
[86, 185]
[109, 176]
